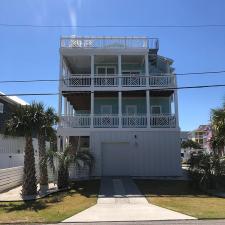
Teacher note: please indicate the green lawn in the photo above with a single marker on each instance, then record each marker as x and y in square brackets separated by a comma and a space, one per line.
[180, 197]
[54, 208]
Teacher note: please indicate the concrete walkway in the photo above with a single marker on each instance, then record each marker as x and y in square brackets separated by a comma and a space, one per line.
[120, 200]
[15, 194]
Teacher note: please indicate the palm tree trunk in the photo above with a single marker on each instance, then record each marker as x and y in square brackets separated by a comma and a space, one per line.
[43, 170]
[63, 177]
[29, 186]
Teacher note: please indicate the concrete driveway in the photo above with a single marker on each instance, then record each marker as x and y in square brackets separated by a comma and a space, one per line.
[121, 200]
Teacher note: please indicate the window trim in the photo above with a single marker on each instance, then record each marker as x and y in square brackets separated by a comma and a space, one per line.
[159, 106]
[1, 107]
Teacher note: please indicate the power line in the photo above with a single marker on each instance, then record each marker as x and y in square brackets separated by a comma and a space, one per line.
[114, 26]
[155, 89]
[56, 80]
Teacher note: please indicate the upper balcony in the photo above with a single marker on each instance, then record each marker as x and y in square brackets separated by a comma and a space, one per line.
[109, 43]
[111, 82]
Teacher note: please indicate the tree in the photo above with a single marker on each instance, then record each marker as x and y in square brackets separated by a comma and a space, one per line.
[79, 158]
[190, 144]
[23, 123]
[46, 119]
[206, 170]
[218, 129]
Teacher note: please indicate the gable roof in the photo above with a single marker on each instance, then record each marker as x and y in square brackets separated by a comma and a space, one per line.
[13, 99]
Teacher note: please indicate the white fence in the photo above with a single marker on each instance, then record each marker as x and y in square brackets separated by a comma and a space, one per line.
[10, 177]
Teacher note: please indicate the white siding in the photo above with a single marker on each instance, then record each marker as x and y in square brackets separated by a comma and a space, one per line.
[14, 144]
[152, 153]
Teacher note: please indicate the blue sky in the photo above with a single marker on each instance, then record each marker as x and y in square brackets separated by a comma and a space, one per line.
[32, 53]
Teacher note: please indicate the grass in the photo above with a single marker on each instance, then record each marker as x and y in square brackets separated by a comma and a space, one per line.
[180, 197]
[53, 208]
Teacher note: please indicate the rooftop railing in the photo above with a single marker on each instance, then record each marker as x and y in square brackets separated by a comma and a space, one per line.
[110, 42]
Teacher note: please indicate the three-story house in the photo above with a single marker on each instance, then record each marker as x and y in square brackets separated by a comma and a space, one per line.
[118, 99]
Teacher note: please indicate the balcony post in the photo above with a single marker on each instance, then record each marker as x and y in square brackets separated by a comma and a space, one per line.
[120, 70]
[147, 70]
[60, 86]
[92, 70]
[92, 109]
[176, 108]
[120, 108]
[148, 109]
[65, 106]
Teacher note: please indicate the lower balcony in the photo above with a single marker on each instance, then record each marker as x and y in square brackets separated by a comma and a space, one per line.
[134, 80]
[115, 121]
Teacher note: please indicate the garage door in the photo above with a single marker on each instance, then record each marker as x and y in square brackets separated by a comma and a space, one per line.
[116, 159]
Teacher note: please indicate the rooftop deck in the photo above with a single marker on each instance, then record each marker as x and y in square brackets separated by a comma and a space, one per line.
[110, 42]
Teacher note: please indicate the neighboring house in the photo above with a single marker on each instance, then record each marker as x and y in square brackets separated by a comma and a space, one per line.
[185, 153]
[202, 135]
[114, 101]
[184, 136]
[11, 148]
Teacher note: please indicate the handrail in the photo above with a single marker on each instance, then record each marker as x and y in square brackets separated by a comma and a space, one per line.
[109, 42]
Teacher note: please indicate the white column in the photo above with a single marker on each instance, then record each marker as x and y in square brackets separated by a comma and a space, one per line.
[60, 86]
[71, 110]
[120, 108]
[68, 108]
[148, 108]
[65, 106]
[146, 70]
[120, 70]
[92, 70]
[176, 108]
[92, 109]
[60, 104]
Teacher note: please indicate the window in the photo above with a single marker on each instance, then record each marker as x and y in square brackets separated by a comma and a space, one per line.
[131, 109]
[106, 109]
[103, 70]
[1, 107]
[156, 109]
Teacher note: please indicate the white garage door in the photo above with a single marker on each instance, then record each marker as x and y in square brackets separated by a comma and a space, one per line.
[116, 159]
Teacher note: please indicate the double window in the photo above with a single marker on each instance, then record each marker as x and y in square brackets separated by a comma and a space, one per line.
[104, 70]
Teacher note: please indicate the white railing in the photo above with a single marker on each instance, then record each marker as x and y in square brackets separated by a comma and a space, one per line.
[110, 42]
[109, 121]
[78, 80]
[163, 121]
[78, 121]
[133, 80]
[134, 121]
[113, 121]
[106, 80]
[162, 81]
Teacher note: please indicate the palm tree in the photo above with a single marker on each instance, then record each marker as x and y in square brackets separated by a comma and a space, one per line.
[218, 129]
[23, 123]
[46, 119]
[79, 158]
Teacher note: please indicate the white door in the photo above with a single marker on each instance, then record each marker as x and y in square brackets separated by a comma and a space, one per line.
[116, 159]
